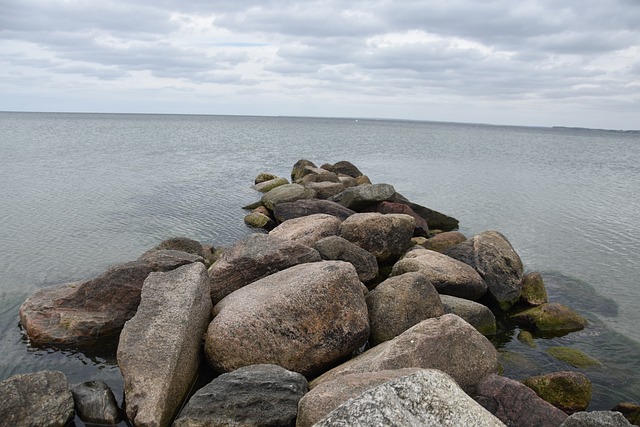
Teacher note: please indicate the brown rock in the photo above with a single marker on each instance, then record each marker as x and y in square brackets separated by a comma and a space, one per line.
[339, 249]
[309, 229]
[422, 228]
[435, 219]
[325, 189]
[299, 169]
[443, 241]
[346, 168]
[290, 210]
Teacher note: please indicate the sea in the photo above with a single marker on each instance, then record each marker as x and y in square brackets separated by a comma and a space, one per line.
[82, 192]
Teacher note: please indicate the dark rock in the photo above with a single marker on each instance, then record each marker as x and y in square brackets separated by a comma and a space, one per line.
[183, 244]
[478, 315]
[264, 176]
[533, 289]
[95, 403]
[422, 228]
[516, 404]
[167, 259]
[257, 395]
[631, 411]
[254, 257]
[435, 219]
[346, 168]
[308, 229]
[159, 348]
[299, 170]
[319, 175]
[566, 390]
[443, 241]
[363, 196]
[551, 317]
[326, 189]
[596, 419]
[286, 193]
[399, 303]
[339, 249]
[305, 318]
[363, 180]
[38, 399]
[290, 210]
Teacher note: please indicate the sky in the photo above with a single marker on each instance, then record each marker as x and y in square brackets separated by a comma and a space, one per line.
[525, 62]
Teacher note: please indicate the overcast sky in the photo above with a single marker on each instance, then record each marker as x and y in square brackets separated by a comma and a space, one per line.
[524, 62]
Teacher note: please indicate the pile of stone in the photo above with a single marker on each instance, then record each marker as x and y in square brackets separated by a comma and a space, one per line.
[352, 306]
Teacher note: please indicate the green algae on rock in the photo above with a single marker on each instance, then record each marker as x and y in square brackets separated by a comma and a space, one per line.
[551, 317]
[566, 390]
[573, 357]
[526, 337]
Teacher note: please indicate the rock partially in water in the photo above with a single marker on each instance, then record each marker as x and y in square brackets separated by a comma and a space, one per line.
[309, 229]
[478, 315]
[596, 419]
[346, 168]
[631, 411]
[422, 228]
[38, 399]
[266, 186]
[551, 317]
[286, 193]
[435, 219]
[533, 289]
[299, 169]
[339, 249]
[95, 403]
[299, 208]
[264, 176]
[183, 244]
[566, 390]
[363, 196]
[573, 357]
[259, 220]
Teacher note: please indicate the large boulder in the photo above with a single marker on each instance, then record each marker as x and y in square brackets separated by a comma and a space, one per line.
[567, 390]
[435, 219]
[478, 315]
[38, 399]
[399, 303]
[286, 193]
[552, 318]
[304, 207]
[159, 348]
[327, 396]
[630, 410]
[95, 403]
[81, 313]
[425, 398]
[387, 237]
[338, 249]
[447, 343]
[491, 255]
[422, 228]
[363, 196]
[596, 419]
[443, 241]
[516, 404]
[300, 169]
[305, 318]
[448, 275]
[309, 229]
[253, 258]
[325, 189]
[344, 167]
[257, 395]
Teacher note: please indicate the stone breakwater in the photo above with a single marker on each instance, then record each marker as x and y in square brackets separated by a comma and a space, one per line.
[349, 305]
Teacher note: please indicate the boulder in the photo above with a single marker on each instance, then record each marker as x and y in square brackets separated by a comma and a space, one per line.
[443, 241]
[447, 343]
[526, 337]
[298, 170]
[346, 168]
[254, 257]
[305, 318]
[81, 313]
[566, 390]
[491, 254]
[630, 410]
[516, 404]
[478, 315]
[435, 219]
[327, 396]
[325, 189]
[259, 220]
[159, 348]
[339, 249]
[348, 181]
[308, 229]
[183, 244]
[264, 176]
[38, 399]
[533, 289]
[290, 210]
[266, 186]
[387, 237]
[95, 403]
[552, 318]
[362, 196]
[257, 395]
[425, 398]
[448, 275]
[399, 303]
[596, 419]
[363, 180]
[319, 175]
[286, 193]
[422, 228]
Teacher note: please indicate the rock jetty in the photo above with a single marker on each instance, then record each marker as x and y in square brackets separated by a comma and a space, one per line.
[348, 305]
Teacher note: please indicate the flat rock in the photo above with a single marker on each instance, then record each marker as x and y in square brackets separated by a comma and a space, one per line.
[596, 419]
[363, 196]
[325, 189]
[159, 348]
[491, 255]
[305, 318]
[290, 210]
[253, 258]
[533, 290]
[308, 229]
[266, 186]
[399, 303]
[286, 193]
[339, 249]
[447, 343]
[425, 398]
[478, 315]
[567, 390]
[435, 219]
[551, 317]
[257, 395]
[38, 399]
[515, 404]
[448, 275]
[443, 241]
[387, 237]
[95, 403]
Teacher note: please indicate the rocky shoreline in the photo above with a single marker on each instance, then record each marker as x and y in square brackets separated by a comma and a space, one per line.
[350, 305]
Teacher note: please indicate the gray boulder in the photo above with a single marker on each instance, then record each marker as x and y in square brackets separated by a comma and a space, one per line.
[339, 249]
[515, 404]
[253, 258]
[159, 348]
[448, 275]
[257, 395]
[305, 318]
[478, 315]
[300, 169]
[399, 303]
[38, 399]
[266, 186]
[443, 241]
[596, 419]
[290, 210]
[309, 229]
[264, 176]
[362, 196]
[318, 175]
[435, 219]
[387, 237]
[491, 255]
[425, 398]
[286, 193]
[447, 343]
[325, 189]
[95, 403]
[344, 167]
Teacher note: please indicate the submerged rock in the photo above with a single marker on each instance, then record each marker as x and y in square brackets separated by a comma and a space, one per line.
[566, 390]
[551, 317]
[95, 403]
[573, 357]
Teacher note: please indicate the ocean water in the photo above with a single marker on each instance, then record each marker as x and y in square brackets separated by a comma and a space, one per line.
[80, 192]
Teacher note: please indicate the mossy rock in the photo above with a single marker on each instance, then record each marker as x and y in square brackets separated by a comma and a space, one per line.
[512, 360]
[631, 412]
[259, 220]
[551, 318]
[264, 176]
[573, 357]
[533, 289]
[526, 337]
[266, 186]
[568, 391]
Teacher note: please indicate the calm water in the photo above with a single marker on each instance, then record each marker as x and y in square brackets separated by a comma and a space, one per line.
[79, 192]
